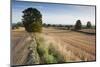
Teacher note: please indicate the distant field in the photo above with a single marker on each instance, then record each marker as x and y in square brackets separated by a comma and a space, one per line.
[88, 30]
[74, 46]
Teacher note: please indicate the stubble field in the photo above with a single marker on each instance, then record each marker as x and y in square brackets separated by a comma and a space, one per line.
[74, 46]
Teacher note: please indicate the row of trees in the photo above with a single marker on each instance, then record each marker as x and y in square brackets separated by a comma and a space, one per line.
[78, 25]
[17, 25]
[55, 25]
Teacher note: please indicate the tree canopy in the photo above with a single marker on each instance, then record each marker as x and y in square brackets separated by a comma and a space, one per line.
[88, 24]
[78, 25]
[32, 20]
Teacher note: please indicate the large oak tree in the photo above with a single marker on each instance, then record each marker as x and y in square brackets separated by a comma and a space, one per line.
[32, 20]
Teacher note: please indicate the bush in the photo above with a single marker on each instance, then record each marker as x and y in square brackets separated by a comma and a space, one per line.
[49, 58]
[40, 50]
[47, 52]
[56, 54]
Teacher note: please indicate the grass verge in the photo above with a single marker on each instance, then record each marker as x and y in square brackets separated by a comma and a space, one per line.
[47, 53]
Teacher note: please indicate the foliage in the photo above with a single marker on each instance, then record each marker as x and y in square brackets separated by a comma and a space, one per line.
[47, 52]
[49, 58]
[14, 26]
[78, 25]
[17, 25]
[56, 54]
[32, 20]
[88, 25]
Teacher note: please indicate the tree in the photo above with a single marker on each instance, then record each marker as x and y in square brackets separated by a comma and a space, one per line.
[49, 25]
[15, 26]
[78, 25]
[44, 25]
[32, 20]
[19, 24]
[88, 24]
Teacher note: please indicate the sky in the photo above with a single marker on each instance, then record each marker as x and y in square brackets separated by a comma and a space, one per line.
[55, 13]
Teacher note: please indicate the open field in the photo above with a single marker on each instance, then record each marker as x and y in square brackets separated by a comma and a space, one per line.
[91, 31]
[19, 41]
[81, 45]
[74, 46]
